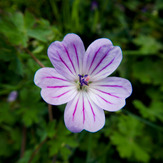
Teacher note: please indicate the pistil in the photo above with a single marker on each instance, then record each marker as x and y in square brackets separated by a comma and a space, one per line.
[83, 80]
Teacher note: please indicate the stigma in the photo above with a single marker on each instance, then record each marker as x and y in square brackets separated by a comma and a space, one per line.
[83, 80]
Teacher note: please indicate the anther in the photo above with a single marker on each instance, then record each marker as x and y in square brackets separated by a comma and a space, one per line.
[83, 79]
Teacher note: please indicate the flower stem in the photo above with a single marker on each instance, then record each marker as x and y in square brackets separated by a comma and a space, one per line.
[50, 112]
[23, 144]
[36, 150]
[41, 65]
[34, 58]
[89, 148]
[144, 121]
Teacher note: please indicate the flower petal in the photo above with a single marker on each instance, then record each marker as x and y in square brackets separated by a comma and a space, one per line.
[110, 93]
[81, 113]
[56, 89]
[101, 59]
[67, 56]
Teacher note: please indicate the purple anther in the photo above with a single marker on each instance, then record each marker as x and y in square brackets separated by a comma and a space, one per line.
[80, 76]
[82, 80]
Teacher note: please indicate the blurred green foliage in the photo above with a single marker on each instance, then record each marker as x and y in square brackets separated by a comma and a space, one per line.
[134, 134]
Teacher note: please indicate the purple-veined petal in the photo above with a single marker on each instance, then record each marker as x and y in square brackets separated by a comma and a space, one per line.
[56, 89]
[67, 56]
[110, 93]
[45, 77]
[101, 59]
[81, 113]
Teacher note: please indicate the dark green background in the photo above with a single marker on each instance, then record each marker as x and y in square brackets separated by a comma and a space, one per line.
[133, 134]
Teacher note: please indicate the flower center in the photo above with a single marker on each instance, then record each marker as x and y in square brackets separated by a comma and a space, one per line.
[83, 81]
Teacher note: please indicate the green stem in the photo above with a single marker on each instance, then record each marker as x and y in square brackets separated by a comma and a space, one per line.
[36, 150]
[34, 58]
[89, 148]
[144, 120]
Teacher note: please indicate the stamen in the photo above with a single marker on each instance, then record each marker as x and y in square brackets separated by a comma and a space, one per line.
[83, 79]
[87, 78]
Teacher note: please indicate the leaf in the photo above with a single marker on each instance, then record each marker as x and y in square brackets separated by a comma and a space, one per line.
[7, 52]
[26, 157]
[148, 71]
[126, 139]
[38, 49]
[39, 33]
[29, 20]
[54, 147]
[15, 21]
[5, 150]
[153, 112]
[50, 128]
[31, 109]
[17, 66]
[148, 45]
[7, 115]
[65, 152]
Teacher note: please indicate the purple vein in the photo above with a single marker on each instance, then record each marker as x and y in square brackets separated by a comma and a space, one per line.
[101, 60]
[106, 66]
[111, 86]
[57, 86]
[75, 109]
[83, 112]
[117, 86]
[69, 57]
[61, 94]
[52, 77]
[76, 54]
[107, 93]
[94, 58]
[63, 62]
[105, 100]
[92, 110]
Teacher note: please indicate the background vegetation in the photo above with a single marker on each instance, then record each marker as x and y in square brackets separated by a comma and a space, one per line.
[28, 134]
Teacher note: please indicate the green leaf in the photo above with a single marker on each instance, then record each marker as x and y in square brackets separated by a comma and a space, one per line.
[29, 20]
[148, 45]
[7, 115]
[65, 152]
[126, 139]
[54, 146]
[38, 49]
[39, 33]
[5, 150]
[17, 66]
[7, 52]
[153, 112]
[26, 157]
[148, 71]
[17, 19]
[31, 109]
[51, 130]
[14, 21]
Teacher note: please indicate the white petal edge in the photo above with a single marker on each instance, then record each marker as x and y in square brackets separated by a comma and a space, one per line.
[67, 56]
[82, 114]
[56, 89]
[110, 93]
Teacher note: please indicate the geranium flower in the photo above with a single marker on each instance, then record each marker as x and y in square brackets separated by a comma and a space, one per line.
[12, 96]
[80, 80]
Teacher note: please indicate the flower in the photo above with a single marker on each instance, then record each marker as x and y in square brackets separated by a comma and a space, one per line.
[12, 96]
[94, 5]
[80, 79]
